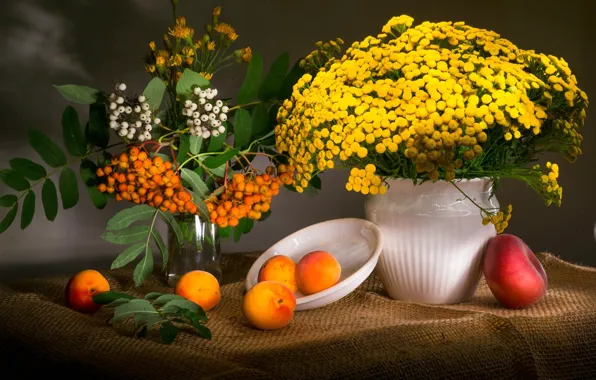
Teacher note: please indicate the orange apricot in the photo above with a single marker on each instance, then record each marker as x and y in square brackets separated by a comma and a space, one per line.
[269, 305]
[279, 268]
[81, 288]
[199, 287]
[317, 271]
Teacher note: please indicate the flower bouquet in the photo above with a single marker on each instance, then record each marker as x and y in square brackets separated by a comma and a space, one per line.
[438, 113]
[183, 150]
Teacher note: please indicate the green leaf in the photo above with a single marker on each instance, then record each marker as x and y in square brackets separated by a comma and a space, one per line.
[265, 215]
[8, 200]
[46, 148]
[219, 160]
[154, 92]
[98, 132]
[197, 200]
[128, 216]
[244, 226]
[168, 332]
[196, 182]
[106, 298]
[144, 267]
[14, 180]
[148, 319]
[128, 255]
[49, 198]
[183, 149]
[219, 171]
[9, 218]
[89, 178]
[134, 306]
[195, 144]
[69, 189]
[259, 121]
[28, 168]
[99, 199]
[118, 302]
[225, 232]
[175, 304]
[171, 221]
[195, 321]
[162, 248]
[248, 225]
[275, 78]
[78, 94]
[72, 133]
[28, 209]
[242, 128]
[152, 295]
[131, 235]
[252, 81]
[315, 182]
[285, 92]
[165, 298]
[215, 143]
[188, 81]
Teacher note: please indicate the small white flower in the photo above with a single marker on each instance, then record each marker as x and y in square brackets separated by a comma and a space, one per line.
[124, 124]
[132, 131]
[208, 107]
[113, 106]
[113, 117]
[147, 135]
[121, 109]
[142, 98]
[192, 130]
[123, 132]
[190, 123]
[116, 113]
[120, 100]
[204, 117]
[148, 114]
[219, 103]
[202, 101]
[213, 123]
[138, 123]
[113, 124]
[138, 109]
[206, 134]
[221, 129]
[204, 128]
[128, 109]
[202, 94]
[196, 114]
[148, 126]
[215, 133]
[145, 106]
[143, 117]
[113, 97]
[194, 107]
[130, 136]
[223, 117]
[157, 120]
[187, 103]
[210, 96]
[214, 92]
[122, 87]
[212, 116]
[197, 122]
[141, 137]
[215, 110]
[197, 90]
[225, 109]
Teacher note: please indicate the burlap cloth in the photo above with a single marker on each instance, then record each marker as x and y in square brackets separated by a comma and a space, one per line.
[365, 335]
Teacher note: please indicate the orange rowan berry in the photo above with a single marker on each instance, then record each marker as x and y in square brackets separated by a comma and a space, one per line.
[185, 196]
[107, 170]
[130, 188]
[126, 196]
[274, 186]
[150, 183]
[270, 170]
[256, 207]
[123, 157]
[249, 200]
[239, 195]
[170, 173]
[158, 200]
[157, 161]
[150, 195]
[123, 165]
[138, 165]
[102, 187]
[147, 163]
[221, 211]
[111, 181]
[265, 207]
[130, 177]
[235, 212]
[168, 165]
[145, 185]
[163, 208]
[233, 222]
[142, 191]
[167, 203]
[222, 222]
[134, 196]
[173, 207]
[240, 186]
[110, 190]
[161, 168]
[168, 192]
[134, 151]
[99, 172]
[189, 205]
[142, 156]
[238, 178]
[259, 180]
[266, 177]
[175, 181]
[210, 207]
[213, 215]
[118, 197]
[249, 188]
[256, 198]
[123, 187]
[227, 205]
[156, 178]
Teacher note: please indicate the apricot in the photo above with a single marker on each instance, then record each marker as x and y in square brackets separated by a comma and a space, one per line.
[269, 305]
[81, 288]
[199, 287]
[317, 271]
[280, 268]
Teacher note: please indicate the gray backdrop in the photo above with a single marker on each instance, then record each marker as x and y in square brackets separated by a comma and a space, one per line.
[93, 42]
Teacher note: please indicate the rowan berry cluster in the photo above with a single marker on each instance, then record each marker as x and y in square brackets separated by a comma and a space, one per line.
[248, 196]
[136, 177]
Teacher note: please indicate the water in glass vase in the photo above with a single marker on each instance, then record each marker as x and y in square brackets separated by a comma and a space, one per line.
[199, 249]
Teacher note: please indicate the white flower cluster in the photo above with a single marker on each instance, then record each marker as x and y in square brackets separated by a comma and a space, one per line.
[131, 118]
[205, 115]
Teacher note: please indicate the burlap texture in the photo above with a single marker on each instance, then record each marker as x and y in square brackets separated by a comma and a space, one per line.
[365, 335]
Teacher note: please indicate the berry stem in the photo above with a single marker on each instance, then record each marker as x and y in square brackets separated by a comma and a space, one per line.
[245, 105]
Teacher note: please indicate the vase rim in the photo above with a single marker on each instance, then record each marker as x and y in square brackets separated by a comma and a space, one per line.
[478, 179]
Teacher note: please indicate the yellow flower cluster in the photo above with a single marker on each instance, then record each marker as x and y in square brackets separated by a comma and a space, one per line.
[437, 94]
[500, 220]
[180, 30]
[365, 181]
[551, 189]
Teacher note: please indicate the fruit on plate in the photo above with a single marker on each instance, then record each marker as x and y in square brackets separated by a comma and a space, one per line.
[279, 268]
[269, 305]
[317, 271]
[81, 288]
[199, 287]
[513, 273]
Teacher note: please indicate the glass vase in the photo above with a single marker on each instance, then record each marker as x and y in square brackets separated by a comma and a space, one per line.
[199, 250]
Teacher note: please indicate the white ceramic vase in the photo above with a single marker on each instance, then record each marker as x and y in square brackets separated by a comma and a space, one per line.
[434, 239]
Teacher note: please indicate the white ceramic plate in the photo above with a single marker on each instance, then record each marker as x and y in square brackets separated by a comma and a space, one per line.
[355, 243]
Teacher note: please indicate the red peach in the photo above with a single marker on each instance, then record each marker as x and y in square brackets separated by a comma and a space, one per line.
[81, 288]
[513, 273]
[317, 271]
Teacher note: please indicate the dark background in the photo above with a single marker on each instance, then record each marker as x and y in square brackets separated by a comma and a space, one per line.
[99, 42]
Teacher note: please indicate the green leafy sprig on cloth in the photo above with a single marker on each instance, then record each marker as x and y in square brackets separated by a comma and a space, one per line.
[166, 313]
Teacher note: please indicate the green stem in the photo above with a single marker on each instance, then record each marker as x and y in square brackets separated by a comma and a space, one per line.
[470, 199]
[197, 156]
[245, 105]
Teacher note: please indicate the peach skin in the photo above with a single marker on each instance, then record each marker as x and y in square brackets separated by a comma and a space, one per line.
[281, 269]
[317, 271]
[81, 288]
[269, 305]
